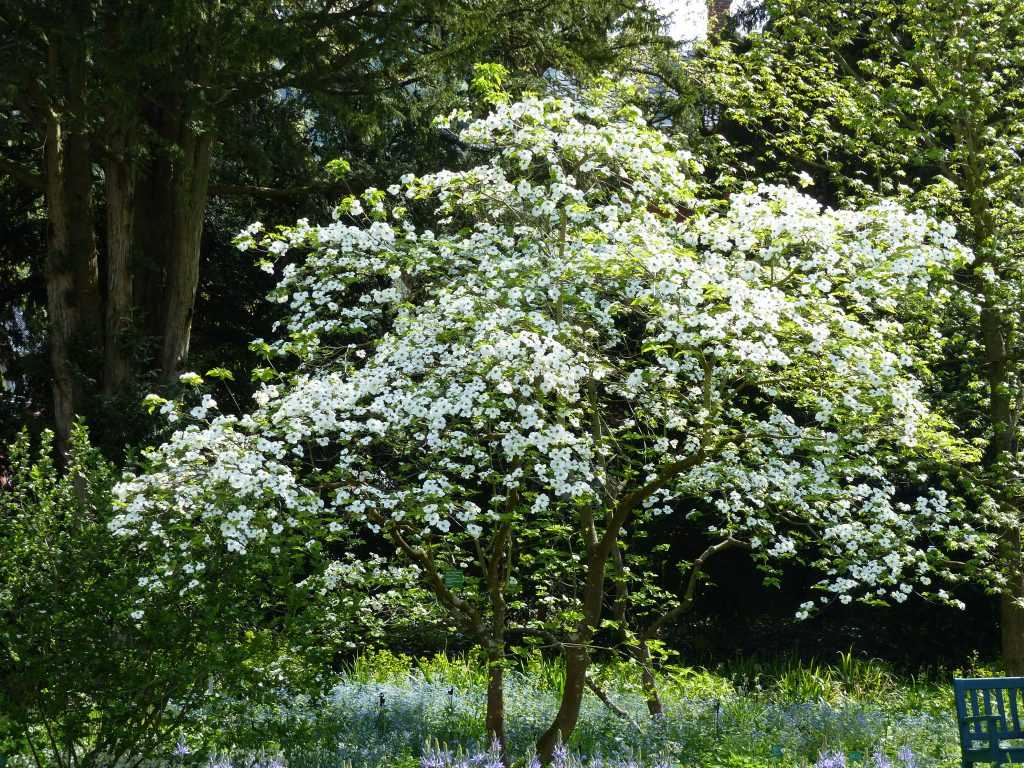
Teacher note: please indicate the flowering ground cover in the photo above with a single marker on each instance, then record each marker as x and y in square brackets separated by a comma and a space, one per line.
[393, 711]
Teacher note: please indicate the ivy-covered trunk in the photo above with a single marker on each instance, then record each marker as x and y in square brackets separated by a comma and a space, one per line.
[994, 332]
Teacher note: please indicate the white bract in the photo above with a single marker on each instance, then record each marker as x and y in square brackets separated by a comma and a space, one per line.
[574, 331]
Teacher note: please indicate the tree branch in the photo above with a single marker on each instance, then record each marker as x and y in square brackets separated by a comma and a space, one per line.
[22, 175]
[455, 604]
[619, 711]
[691, 587]
[288, 193]
[664, 476]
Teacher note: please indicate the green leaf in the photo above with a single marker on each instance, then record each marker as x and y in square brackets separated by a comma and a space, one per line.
[151, 402]
[453, 579]
[338, 169]
[221, 373]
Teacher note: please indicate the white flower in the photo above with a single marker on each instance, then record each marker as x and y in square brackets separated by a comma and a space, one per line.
[492, 371]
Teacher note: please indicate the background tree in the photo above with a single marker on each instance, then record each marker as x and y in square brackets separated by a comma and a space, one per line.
[923, 100]
[129, 106]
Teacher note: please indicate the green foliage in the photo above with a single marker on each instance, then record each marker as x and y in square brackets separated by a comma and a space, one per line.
[925, 101]
[338, 168]
[94, 667]
[922, 100]
[488, 82]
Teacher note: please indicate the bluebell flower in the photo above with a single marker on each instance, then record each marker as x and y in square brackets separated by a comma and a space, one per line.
[906, 756]
[831, 760]
[560, 757]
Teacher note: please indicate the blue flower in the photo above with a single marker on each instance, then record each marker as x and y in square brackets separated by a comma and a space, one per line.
[906, 756]
[831, 760]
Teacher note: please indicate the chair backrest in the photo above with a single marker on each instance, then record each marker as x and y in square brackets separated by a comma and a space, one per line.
[981, 696]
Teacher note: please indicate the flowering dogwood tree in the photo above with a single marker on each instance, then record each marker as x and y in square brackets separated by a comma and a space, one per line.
[500, 369]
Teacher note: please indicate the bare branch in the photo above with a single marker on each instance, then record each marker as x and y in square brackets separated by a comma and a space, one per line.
[619, 711]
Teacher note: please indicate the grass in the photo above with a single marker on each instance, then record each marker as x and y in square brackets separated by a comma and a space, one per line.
[391, 710]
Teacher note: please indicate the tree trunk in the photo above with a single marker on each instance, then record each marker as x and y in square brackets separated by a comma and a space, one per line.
[718, 15]
[577, 662]
[120, 198]
[79, 210]
[577, 657]
[62, 319]
[78, 179]
[496, 573]
[71, 270]
[152, 233]
[494, 720]
[647, 681]
[1011, 621]
[182, 269]
[1012, 628]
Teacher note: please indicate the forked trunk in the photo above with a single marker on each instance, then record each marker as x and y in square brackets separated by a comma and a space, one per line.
[577, 657]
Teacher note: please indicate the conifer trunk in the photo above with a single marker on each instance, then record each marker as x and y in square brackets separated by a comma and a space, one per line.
[120, 200]
[74, 332]
[62, 318]
[182, 270]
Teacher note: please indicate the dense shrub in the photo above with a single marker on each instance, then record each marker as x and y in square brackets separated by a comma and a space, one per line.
[95, 667]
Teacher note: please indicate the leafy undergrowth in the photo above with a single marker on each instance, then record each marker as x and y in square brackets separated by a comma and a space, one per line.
[399, 712]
